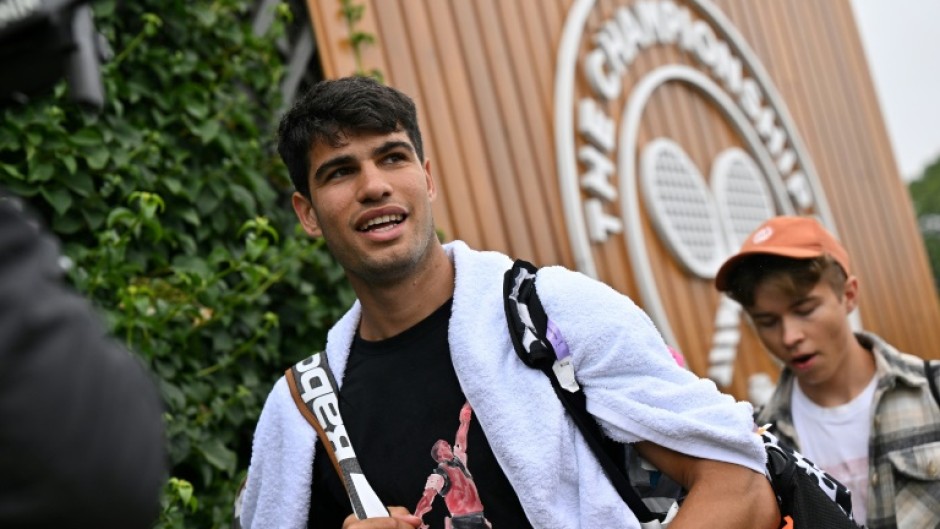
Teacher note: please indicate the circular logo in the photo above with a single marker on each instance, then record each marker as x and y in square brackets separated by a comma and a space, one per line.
[672, 141]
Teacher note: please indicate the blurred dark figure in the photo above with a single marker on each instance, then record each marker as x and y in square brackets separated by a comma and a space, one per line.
[81, 433]
[43, 41]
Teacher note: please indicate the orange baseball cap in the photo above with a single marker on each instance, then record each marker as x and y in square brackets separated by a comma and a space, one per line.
[786, 236]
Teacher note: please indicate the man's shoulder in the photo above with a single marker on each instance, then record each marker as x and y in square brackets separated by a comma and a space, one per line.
[890, 360]
[475, 265]
[561, 281]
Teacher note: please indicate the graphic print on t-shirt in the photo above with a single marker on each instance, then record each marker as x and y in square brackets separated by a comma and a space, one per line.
[452, 481]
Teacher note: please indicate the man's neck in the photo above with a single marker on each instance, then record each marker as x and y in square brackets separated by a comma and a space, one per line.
[390, 308]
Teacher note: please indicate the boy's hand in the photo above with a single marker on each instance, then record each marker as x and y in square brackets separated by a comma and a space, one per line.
[401, 519]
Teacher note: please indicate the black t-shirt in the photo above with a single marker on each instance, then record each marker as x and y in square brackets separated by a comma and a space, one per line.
[399, 397]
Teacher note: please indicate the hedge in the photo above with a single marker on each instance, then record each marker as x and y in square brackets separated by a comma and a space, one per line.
[172, 208]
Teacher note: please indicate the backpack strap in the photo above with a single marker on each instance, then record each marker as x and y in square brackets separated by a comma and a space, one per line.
[529, 331]
[931, 372]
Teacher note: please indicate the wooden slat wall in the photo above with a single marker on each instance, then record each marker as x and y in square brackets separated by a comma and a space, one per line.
[482, 73]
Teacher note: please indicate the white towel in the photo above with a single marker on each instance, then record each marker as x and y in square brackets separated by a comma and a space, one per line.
[632, 384]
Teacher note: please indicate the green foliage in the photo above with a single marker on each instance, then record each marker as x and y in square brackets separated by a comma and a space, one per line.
[925, 193]
[353, 13]
[171, 204]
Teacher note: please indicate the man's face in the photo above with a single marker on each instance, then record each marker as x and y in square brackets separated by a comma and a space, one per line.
[445, 453]
[809, 333]
[370, 199]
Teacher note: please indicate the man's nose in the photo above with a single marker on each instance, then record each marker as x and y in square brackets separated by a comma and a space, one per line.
[374, 184]
[792, 331]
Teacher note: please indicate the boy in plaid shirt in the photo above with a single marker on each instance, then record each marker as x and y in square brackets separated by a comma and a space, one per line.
[849, 401]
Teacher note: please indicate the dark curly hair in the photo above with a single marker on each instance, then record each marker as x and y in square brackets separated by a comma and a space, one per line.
[796, 277]
[335, 108]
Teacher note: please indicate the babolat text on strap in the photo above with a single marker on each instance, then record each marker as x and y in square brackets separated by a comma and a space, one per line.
[315, 392]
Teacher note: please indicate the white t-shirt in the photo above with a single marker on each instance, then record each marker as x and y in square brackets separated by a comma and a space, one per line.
[836, 439]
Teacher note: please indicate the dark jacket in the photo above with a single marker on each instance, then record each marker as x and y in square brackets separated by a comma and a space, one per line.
[81, 433]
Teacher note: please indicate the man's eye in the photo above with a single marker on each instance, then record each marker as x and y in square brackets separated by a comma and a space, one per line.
[339, 172]
[764, 323]
[395, 157]
[805, 310]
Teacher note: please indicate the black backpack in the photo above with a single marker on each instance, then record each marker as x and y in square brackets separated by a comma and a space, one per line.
[805, 493]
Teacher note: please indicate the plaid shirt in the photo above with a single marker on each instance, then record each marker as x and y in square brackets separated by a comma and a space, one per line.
[904, 448]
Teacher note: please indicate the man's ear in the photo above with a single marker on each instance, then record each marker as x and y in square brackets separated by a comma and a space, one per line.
[432, 191]
[850, 294]
[306, 214]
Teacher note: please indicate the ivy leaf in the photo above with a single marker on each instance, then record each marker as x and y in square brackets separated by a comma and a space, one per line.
[94, 217]
[207, 202]
[81, 184]
[60, 199]
[104, 8]
[66, 225]
[256, 246]
[20, 188]
[172, 184]
[206, 17]
[218, 455]
[40, 172]
[192, 265]
[86, 138]
[120, 216]
[242, 197]
[196, 109]
[69, 162]
[8, 140]
[34, 138]
[172, 394]
[208, 131]
[97, 157]
[121, 157]
[11, 170]
[358, 38]
[190, 216]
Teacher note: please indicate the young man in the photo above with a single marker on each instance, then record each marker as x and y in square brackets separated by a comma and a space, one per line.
[428, 335]
[848, 401]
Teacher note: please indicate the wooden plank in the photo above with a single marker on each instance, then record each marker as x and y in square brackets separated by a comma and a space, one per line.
[467, 136]
[539, 177]
[541, 44]
[499, 155]
[524, 167]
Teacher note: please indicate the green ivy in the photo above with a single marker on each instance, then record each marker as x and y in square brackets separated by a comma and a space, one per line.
[172, 206]
[352, 14]
[925, 195]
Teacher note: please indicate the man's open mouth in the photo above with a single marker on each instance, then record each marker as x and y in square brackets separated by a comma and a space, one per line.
[385, 222]
[801, 360]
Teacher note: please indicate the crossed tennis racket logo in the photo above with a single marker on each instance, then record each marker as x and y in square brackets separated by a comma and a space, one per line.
[702, 223]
